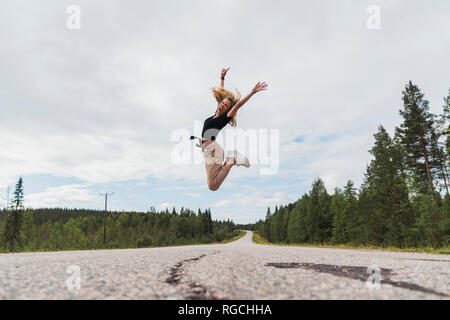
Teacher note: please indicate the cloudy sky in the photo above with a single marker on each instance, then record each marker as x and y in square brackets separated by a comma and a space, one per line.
[93, 110]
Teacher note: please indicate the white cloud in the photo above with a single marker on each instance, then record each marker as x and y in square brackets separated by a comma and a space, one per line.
[222, 203]
[65, 196]
[193, 195]
[164, 206]
[253, 200]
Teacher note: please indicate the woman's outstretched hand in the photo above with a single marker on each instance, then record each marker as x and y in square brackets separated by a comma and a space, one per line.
[259, 87]
[224, 72]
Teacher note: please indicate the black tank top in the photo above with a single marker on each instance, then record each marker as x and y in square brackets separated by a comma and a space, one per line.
[212, 126]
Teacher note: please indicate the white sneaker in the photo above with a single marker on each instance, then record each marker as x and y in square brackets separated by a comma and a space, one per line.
[240, 160]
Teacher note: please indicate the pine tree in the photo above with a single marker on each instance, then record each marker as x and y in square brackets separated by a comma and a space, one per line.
[400, 154]
[438, 160]
[445, 120]
[416, 134]
[442, 142]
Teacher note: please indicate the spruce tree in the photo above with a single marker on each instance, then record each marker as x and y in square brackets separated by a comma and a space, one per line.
[18, 195]
[319, 219]
[14, 220]
[293, 235]
[297, 226]
[370, 232]
[388, 189]
[340, 220]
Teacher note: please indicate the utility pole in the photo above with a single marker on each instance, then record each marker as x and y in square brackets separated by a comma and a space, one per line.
[7, 197]
[104, 215]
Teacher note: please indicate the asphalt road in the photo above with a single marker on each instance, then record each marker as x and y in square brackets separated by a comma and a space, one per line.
[237, 270]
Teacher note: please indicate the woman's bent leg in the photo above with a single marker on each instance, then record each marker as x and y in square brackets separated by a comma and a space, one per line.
[215, 170]
[216, 176]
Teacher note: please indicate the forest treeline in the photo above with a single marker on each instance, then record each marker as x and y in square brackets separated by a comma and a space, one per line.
[74, 229]
[404, 198]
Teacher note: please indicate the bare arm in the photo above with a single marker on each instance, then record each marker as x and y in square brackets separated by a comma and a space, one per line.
[222, 76]
[259, 87]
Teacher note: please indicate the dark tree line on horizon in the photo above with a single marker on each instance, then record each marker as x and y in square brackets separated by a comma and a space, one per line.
[404, 198]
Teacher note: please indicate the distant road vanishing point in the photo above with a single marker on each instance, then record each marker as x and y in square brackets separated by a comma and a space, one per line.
[237, 270]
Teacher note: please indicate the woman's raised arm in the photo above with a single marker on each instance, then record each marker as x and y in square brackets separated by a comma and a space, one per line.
[258, 87]
[222, 76]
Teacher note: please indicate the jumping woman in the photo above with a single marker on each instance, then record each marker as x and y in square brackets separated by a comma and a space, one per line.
[228, 106]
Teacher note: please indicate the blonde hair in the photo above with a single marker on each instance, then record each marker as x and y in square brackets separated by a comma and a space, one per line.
[221, 94]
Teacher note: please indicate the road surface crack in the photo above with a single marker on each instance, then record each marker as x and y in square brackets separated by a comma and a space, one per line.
[192, 290]
[356, 273]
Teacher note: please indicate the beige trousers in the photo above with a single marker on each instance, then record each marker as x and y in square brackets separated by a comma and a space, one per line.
[216, 172]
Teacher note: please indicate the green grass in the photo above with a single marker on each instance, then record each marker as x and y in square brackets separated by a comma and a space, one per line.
[257, 238]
